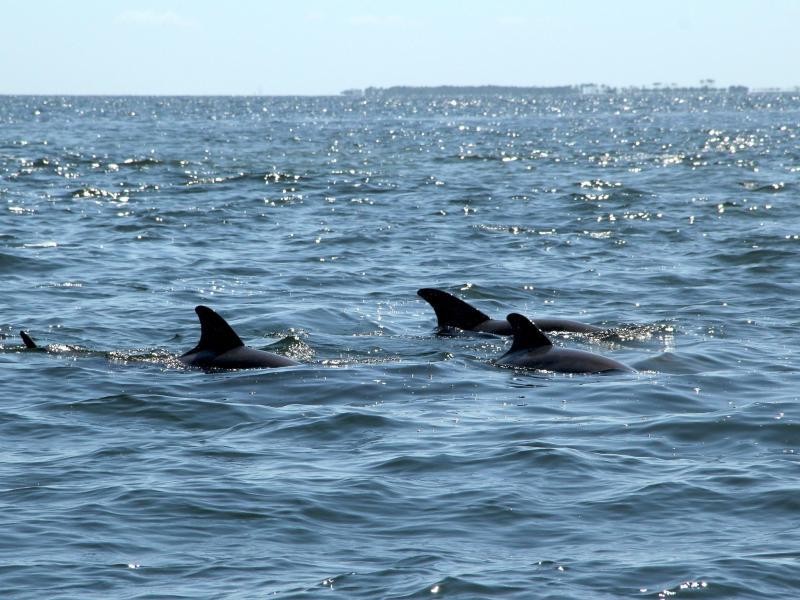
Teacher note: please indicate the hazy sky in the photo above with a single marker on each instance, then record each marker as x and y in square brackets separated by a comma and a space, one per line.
[326, 46]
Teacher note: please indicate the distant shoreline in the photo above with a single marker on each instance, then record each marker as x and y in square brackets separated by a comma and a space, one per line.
[443, 90]
[566, 90]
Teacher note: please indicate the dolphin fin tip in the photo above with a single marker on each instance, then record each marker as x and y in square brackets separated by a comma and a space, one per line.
[527, 335]
[452, 311]
[27, 340]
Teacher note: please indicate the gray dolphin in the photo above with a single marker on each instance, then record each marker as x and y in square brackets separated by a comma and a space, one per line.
[452, 312]
[532, 350]
[221, 348]
[31, 345]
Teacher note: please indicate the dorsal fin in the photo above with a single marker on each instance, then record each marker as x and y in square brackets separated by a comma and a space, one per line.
[27, 340]
[450, 311]
[215, 333]
[527, 336]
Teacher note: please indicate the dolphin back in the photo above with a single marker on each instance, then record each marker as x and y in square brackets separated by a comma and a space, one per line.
[532, 350]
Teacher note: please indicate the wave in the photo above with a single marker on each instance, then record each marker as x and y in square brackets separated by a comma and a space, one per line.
[770, 188]
[270, 177]
[13, 264]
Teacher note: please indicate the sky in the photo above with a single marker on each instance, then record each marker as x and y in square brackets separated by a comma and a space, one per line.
[316, 47]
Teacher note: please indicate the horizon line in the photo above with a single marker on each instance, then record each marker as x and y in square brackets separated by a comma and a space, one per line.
[576, 87]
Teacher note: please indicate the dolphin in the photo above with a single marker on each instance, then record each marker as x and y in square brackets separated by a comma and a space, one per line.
[452, 312]
[532, 350]
[30, 344]
[221, 348]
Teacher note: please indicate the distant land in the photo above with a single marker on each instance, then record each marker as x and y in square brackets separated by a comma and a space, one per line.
[580, 89]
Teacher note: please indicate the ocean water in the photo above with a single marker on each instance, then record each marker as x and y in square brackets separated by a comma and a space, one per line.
[395, 463]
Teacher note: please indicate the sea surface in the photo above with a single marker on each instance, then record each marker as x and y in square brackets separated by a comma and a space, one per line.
[394, 462]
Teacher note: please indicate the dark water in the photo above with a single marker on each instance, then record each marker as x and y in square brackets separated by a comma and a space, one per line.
[394, 463]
